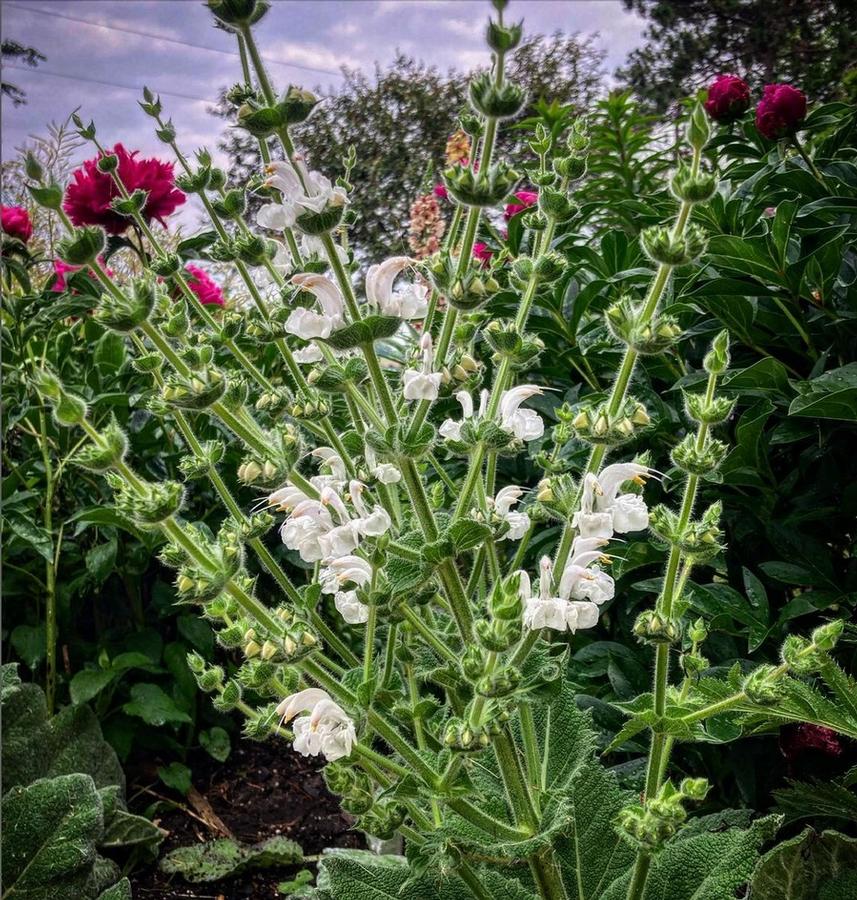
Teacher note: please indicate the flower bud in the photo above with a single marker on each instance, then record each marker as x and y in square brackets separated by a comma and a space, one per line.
[662, 247]
[240, 13]
[296, 105]
[495, 101]
[99, 457]
[124, 312]
[50, 196]
[84, 246]
[826, 636]
[107, 163]
[503, 38]
[694, 788]
[689, 458]
[488, 187]
[692, 188]
[698, 130]
[652, 627]
[763, 686]
[716, 361]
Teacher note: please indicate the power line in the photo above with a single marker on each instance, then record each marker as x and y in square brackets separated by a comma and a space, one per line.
[158, 37]
[128, 87]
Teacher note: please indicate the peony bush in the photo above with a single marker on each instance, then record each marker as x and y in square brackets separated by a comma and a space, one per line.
[417, 644]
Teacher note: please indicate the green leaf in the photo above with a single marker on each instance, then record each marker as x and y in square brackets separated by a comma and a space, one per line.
[224, 858]
[832, 395]
[466, 534]
[150, 703]
[361, 875]
[370, 329]
[176, 776]
[811, 865]
[190, 247]
[216, 743]
[120, 891]
[711, 865]
[831, 799]
[101, 560]
[31, 534]
[29, 644]
[197, 632]
[126, 830]
[49, 838]
[36, 746]
[109, 353]
[88, 683]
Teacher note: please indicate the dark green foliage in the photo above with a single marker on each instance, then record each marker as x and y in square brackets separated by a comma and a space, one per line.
[807, 43]
[224, 858]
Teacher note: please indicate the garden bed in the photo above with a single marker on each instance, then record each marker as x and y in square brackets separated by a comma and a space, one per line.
[261, 791]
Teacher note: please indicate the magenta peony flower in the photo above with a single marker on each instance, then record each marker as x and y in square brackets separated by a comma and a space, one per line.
[483, 253]
[525, 199]
[441, 191]
[203, 285]
[15, 221]
[63, 270]
[780, 111]
[728, 98]
[88, 197]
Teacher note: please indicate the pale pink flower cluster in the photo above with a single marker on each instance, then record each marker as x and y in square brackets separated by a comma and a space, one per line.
[426, 227]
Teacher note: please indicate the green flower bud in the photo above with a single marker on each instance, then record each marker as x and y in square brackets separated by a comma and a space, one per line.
[698, 632]
[801, 656]
[123, 312]
[209, 678]
[296, 105]
[49, 196]
[496, 101]
[556, 205]
[132, 205]
[101, 457]
[698, 129]
[240, 13]
[662, 247]
[229, 698]
[826, 636]
[571, 167]
[32, 167]
[694, 788]
[84, 246]
[711, 413]
[689, 458]
[763, 686]
[716, 361]
[194, 182]
[107, 163]
[233, 205]
[503, 38]
[692, 188]
[653, 627]
[488, 187]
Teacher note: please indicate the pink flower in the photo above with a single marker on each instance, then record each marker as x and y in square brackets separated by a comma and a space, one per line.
[781, 109]
[525, 199]
[15, 221]
[63, 269]
[483, 253]
[203, 285]
[88, 197]
[728, 98]
[426, 226]
[441, 191]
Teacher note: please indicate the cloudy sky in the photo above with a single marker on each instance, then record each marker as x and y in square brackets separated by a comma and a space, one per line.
[100, 53]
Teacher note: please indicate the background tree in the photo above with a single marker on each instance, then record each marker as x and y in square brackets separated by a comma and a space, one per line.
[811, 43]
[12, 51]
[399, 118]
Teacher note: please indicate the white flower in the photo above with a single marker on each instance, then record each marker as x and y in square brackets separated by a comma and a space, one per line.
[525, 424]
[604, 511]
[333, 460]
[309, 354]
[386, 473]
[308, 523]
[285, 498]
[301, 191]
[579, 582]
[407, 303]
[518, 522]
[557, 611]
[352, 610]
[451, 429]
[422, 384]
[327, 730]
[340, 571]
[306, 323]
[372, 522]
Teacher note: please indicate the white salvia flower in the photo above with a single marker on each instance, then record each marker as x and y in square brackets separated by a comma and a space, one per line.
[343, 538]
[306, 526]
[372, 522]
[307, 192]
[579, 582]
[331, 458]
[352, 610]
[525, 424]
[327, 730]
[451, 429]
[407, 303]
[309, 354]
[285, 498]
[386, 473]
[422, 384]
[340, 571]
[557, 612]
[518, 522]
[603, 511]
[306, 323]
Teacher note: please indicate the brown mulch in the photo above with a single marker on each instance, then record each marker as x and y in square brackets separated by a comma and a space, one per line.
[262, 790]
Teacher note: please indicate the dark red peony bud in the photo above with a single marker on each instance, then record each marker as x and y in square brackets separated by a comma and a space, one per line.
[728, 98]
[795, 740]
[780, 111]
